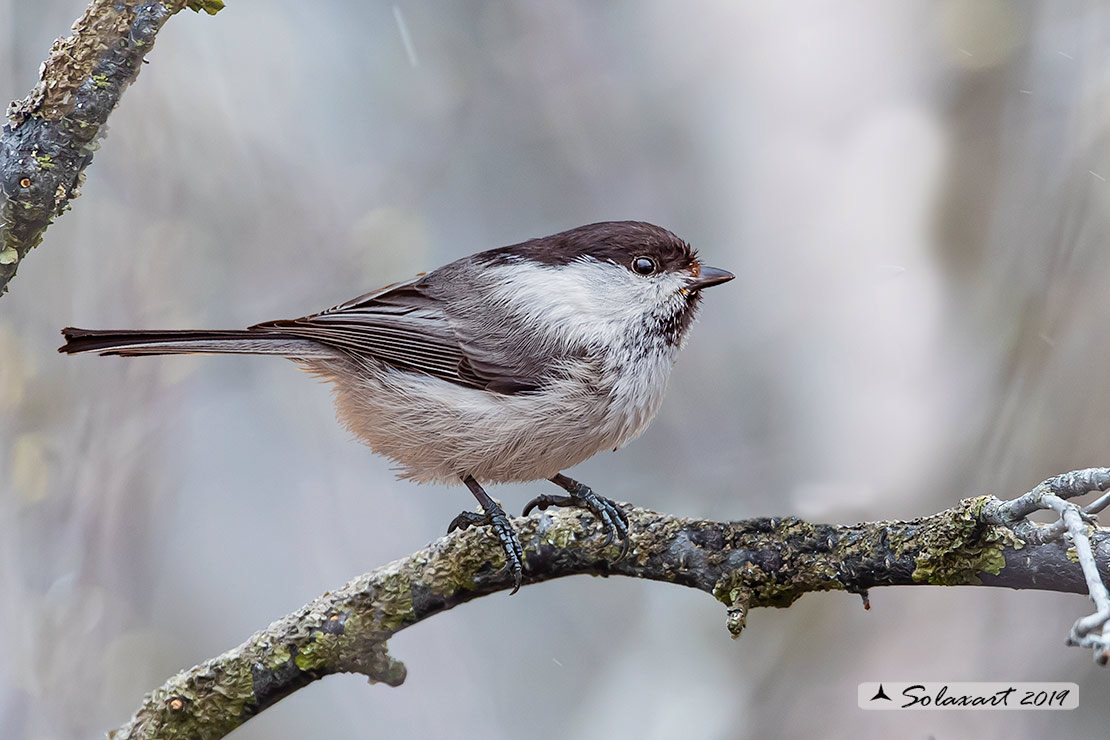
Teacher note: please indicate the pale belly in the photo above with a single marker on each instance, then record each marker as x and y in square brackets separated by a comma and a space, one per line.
[440, 432]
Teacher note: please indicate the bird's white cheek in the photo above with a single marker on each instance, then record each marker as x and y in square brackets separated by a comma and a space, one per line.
[589, 300]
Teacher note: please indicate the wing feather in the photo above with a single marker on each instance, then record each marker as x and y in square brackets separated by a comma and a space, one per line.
[402, 325]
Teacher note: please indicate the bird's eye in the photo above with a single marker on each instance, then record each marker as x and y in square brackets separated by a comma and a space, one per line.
[644, 265]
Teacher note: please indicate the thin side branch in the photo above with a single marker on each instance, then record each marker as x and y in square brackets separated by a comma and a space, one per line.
[52, 133]
[1076, 524]
[745, 564]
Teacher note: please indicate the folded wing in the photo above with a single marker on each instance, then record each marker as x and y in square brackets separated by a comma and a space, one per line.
[404, 326]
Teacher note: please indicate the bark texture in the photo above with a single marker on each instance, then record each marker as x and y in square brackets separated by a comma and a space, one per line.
[51, 134]
[744, 564]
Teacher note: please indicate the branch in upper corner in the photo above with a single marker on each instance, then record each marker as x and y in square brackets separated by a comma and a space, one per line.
[53, 132]
[746, 564]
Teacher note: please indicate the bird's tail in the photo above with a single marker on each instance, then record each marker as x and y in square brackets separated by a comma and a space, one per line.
[135, 343]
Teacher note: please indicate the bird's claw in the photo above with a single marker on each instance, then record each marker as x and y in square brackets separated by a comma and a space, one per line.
[614, 520]
[544, 500]
[506, 535]
[466, 520]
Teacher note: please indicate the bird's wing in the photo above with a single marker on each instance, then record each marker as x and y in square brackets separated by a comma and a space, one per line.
[403, 325]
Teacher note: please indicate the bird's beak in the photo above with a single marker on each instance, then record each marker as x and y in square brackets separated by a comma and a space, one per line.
[707, 277]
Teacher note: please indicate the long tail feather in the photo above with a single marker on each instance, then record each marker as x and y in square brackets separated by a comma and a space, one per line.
[135, 343]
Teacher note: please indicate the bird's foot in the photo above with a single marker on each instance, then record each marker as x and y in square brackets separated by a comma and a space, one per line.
[614, 520]
[494, 517]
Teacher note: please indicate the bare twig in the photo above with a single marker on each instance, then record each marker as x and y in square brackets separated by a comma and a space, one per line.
[746, 564]
[1075, 523]
[53, 132]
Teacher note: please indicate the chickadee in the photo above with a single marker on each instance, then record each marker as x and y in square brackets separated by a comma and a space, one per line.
[508, 365]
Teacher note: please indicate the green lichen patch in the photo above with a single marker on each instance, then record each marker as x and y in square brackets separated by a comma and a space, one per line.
[209, 702]
[394, 601]
[793, 557]
[730, 589]
[561, 533]
[211, 7]
[753, 586]
[279, 656]
[73, 59]
[957, 546]
[317, 653]
[457, 567]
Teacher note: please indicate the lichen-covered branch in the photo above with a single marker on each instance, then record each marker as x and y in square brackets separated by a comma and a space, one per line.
[52, 133]
[745, 564]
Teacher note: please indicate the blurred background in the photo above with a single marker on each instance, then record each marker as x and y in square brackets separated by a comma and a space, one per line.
[913, 196]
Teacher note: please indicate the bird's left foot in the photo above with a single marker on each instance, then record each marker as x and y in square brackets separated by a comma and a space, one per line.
[494, 517]
[613, 518]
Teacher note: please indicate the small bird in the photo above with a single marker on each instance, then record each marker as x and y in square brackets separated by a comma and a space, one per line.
[508, 365]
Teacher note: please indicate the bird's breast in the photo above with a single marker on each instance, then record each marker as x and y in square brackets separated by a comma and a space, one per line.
[637, 393]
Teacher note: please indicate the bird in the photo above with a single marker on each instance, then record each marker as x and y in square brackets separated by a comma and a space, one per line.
[509, 365]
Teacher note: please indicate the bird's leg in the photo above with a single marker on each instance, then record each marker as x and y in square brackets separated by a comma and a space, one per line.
[612, 517]
[494, 516]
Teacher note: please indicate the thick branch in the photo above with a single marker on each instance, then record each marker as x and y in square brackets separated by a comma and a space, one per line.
[758, 562]
[53, 132]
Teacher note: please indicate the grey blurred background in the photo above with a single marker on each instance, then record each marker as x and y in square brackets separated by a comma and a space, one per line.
[914, 198]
